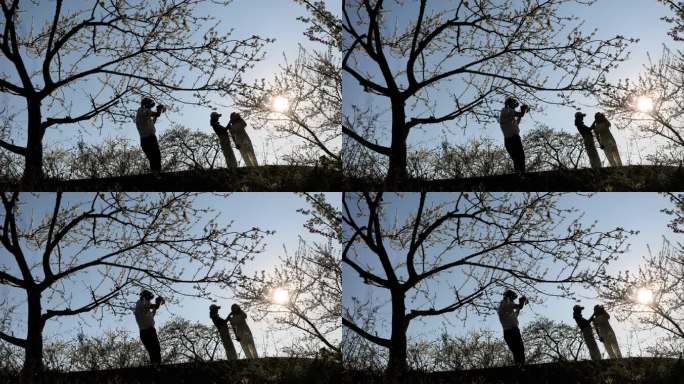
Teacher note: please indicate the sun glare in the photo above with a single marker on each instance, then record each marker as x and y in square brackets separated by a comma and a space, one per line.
[281, 296]
[644, 104]
[644, 296]
[281, 104]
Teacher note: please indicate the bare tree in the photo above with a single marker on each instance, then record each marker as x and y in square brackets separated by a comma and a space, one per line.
[112, 349]
[663, 84]
[472, 53]
[112, 52]
[662, 274]
[554, 150]
[357, 161]
[311, 85]
[313, 280]
[652, 295]
[455, 253]
[546, 150]
[479, 157]
[181, 341]
[476, 350]
[360, 354]
[187, 149]
[676, 212]
[9, 161]
[677, 20]
[184, 150]
[185, 341]
[163, 242]
[545, 341]
[549, 341]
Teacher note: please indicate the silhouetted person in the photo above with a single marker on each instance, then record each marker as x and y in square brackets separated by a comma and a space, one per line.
[238, 319]
[509, 120]
[588, 138]
[605, 332]
[224, 140]
[144, 121]
[236, 126]
[222, 326]
[144, 316]
[606, 140]
[508, 316]
[587, 332]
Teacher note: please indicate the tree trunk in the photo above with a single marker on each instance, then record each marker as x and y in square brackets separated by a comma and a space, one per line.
[397, 366]
[33, 162]
[32, 370]
[397, 173]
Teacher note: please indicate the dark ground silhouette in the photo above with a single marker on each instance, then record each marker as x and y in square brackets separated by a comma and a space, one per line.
[281, 178]
[265, 370]
[636, 370]
[633, 178]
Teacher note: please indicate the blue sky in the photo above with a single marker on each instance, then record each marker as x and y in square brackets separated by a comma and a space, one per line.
[631, 18]
[633, 211]
[273, 211]
[275, 19]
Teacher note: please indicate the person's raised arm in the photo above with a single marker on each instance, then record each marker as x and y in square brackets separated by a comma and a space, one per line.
[521, 303]
[156, 114]
[522, 112]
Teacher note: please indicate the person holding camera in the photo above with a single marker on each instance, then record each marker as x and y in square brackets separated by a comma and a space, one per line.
[224, 332]
[224, 139]
[144, 121]
[588, 138]
[144, 315]
[509, 120]
[508, 316]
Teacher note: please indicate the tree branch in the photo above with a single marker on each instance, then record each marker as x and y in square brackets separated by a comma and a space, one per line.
[374, 339]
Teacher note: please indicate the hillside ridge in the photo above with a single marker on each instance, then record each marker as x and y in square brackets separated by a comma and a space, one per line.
[632, 178]
[269, 370]
[283, 178]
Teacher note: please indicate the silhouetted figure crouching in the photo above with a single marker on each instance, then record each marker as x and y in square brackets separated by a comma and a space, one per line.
[238, 319]
[605, 332]
[508, 316]
[587, 332]
[224, 332]
[144, 315]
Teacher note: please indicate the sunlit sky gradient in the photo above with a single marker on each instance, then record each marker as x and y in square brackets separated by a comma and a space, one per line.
[276, 19]
[631, 18]
[632, 211]
[272, 211]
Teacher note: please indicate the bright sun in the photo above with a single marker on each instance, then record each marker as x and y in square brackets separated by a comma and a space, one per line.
[281, 104]
[644, 296]
[644, 104]
[281, 296]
